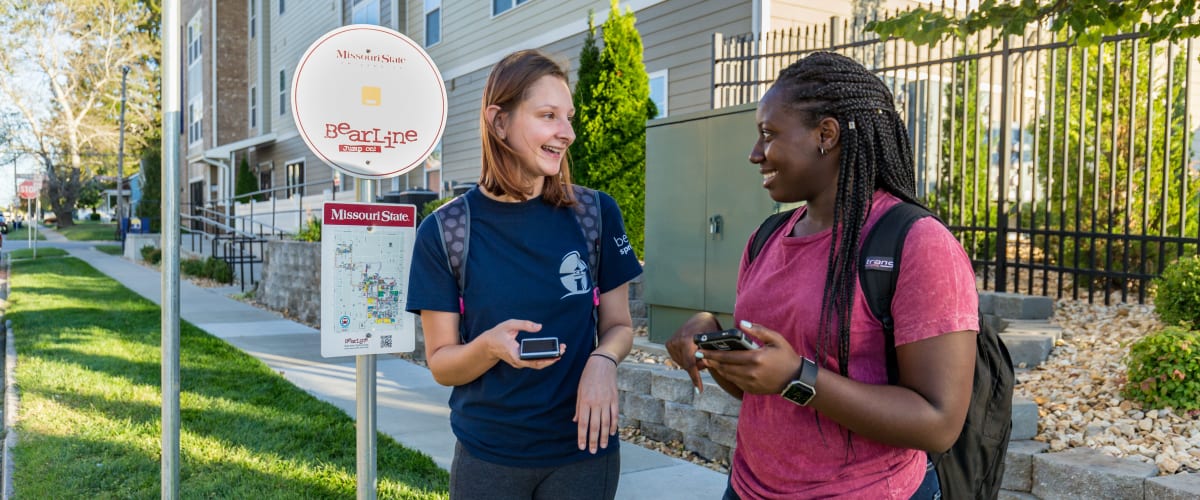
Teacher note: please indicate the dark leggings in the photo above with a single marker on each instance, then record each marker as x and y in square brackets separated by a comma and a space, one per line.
[590, 479]
[930, 488]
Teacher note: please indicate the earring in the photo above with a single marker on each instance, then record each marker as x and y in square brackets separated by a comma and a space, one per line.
[821, 149]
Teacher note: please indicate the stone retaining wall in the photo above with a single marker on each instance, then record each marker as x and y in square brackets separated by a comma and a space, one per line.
[291, 279]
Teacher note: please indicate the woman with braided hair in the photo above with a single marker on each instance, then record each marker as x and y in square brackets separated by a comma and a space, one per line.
[818, 416]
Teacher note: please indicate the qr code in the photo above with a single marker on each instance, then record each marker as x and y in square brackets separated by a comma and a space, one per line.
[385, 341]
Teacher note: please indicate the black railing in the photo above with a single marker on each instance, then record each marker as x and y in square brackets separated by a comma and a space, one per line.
[1064, 171]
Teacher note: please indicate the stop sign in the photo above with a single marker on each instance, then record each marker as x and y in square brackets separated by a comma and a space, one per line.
[27, 190]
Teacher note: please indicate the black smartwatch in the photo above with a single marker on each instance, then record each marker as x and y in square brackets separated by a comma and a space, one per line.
[804, 387]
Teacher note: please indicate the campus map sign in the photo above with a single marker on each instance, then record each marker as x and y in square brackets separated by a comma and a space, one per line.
[369, 101]
[366, 249]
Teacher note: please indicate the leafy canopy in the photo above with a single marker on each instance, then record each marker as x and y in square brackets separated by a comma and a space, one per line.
[1088, 20]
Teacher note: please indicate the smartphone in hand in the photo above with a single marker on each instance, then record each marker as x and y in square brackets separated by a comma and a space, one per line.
[724, 340]
[540, 348]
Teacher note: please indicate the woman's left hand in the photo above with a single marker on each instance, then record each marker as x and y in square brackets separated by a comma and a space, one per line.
[765, 370]
[596, 405]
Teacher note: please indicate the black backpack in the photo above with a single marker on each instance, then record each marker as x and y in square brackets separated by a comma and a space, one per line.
[974, 466]
[454, 224]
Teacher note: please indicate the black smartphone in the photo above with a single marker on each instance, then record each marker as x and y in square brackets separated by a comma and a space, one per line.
[724, 340]
[540, 348]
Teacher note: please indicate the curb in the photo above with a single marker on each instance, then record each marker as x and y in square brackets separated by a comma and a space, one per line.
[10, 395]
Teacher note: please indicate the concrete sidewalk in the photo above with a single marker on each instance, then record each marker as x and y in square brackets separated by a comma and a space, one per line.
[411, 406]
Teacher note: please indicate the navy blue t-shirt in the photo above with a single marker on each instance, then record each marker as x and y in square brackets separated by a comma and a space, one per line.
[523, 262]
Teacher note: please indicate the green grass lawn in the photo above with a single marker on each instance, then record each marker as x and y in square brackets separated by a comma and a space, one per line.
[17, 236]
[89, 423]
[110, 249]
[90, 231]
[27, 253]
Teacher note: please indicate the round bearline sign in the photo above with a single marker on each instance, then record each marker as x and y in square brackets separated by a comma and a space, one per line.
[369, 101]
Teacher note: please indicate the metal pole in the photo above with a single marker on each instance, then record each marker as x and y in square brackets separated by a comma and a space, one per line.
[364, 390]
[121, 163]
[170, 244]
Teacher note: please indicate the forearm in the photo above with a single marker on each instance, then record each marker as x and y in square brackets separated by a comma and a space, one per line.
[460, 364]
[889, 414]
[616, 341]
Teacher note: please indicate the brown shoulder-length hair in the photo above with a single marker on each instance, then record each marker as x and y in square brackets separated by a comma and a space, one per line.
[506, 88]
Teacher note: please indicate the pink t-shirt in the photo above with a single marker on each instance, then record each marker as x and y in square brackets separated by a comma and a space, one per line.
[781, 452]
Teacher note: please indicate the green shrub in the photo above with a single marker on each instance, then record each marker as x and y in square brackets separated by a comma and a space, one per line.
[310, 231]
[151, 254]
[1177, 293]
[94, 216]
[218, 270]
[1164, 369]
[192, 267]
[433, 205]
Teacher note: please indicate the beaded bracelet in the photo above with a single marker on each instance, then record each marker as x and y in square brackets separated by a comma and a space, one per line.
[605, 356]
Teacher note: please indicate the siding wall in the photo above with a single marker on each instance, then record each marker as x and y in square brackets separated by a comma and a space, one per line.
[676, 35]
[291, 34]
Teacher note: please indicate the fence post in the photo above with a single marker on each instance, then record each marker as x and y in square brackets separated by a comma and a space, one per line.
[834, 32]
[1002, 177]
[718, 42]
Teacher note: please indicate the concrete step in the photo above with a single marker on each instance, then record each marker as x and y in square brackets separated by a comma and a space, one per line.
[1024, 419]
[1028, 349]
[1087, 473]
[1015, 305]
[1040, 326]
[1018, 464]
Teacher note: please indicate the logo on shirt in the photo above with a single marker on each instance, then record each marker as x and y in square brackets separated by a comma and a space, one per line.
[573, 273]
[622, 243]
[879, 264]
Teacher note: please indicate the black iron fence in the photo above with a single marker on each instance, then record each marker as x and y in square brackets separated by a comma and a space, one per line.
[1066, 171]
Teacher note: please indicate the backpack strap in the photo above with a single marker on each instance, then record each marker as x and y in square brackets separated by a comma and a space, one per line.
[454, 224]
[879, 268]
[591, 223]
[764, 231]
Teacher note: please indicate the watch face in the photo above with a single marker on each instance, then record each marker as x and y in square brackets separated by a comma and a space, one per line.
[798, 392]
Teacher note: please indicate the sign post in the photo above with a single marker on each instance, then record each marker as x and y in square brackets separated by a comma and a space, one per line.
[370, 103]
[28, 190]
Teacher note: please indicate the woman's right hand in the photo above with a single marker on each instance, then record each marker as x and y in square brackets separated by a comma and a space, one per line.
[683, 349]
[501, 342]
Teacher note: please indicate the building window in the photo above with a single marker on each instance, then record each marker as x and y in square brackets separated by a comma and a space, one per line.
[194, 43]
[282, 92]
[502, 6]
[295, 178]
[658, 92]
[264, 179]
[433, 22]
[195, 116]
[365, 12]
[282, 6]
[253, 18]
[253, 106]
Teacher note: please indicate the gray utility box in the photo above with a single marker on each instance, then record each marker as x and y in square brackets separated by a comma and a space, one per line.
[703, 200]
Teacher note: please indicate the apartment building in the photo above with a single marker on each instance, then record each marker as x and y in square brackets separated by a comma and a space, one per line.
[241, 55]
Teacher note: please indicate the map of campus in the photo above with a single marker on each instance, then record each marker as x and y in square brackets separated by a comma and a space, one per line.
[369, 291]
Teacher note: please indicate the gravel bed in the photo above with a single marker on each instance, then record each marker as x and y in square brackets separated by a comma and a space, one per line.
[1078, 391]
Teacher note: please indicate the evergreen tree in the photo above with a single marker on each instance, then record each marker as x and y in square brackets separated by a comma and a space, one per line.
[246, 183]
[585, 111]
[150, 206]
[611, 121]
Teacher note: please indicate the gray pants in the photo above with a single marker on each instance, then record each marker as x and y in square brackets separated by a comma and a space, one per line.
[591, 479]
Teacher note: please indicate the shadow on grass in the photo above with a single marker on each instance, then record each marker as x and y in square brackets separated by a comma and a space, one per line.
[89, 351]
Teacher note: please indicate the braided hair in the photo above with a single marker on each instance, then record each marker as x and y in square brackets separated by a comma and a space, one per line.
[875, 154]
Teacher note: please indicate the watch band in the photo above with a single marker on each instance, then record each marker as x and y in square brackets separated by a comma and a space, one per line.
[803, 388]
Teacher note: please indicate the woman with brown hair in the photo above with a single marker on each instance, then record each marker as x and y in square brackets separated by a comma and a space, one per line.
[527, 428]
